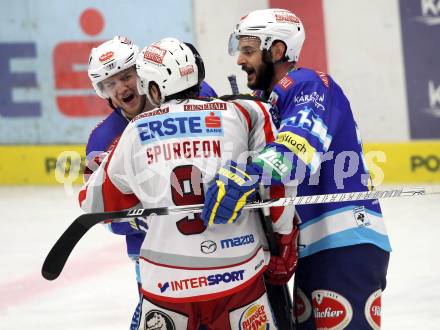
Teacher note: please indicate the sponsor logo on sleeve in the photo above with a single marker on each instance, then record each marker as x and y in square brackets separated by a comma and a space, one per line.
[303, 308]
[276, 161]
[324, 78]
[331, 310]
[286, 82]
[298, 145]
[373, 309]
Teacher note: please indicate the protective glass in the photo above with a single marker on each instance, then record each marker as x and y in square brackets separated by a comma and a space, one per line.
[233, 44]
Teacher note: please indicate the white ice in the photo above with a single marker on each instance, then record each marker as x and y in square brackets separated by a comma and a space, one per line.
[97, 288]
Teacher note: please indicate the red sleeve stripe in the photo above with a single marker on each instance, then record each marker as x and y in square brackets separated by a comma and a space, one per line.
[245, 114]
[82, 195]
[276, 211]
[113, 198]
[270, 135]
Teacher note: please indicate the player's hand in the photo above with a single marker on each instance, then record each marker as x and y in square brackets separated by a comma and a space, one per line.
[234, 186]
[282, 267]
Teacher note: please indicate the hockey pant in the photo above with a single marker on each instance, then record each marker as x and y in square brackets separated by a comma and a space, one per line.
[247, 309]
[340, 288]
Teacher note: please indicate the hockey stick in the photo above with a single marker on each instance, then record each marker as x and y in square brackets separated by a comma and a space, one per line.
[278, 295]
[233, 82]
[58, 255]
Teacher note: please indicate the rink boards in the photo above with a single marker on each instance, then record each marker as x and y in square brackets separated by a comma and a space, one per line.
[410, 162]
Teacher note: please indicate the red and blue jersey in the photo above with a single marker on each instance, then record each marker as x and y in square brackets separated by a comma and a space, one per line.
[102, 140]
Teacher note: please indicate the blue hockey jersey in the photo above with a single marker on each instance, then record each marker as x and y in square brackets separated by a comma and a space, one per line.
[317, 129]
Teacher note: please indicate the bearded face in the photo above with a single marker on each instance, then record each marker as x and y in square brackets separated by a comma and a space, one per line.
[256, 63]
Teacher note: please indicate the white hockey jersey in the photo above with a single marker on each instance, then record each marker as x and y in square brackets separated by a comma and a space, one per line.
[167, 157]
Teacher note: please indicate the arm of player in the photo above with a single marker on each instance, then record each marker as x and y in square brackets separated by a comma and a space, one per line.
[236, 184]
[108, 188]
[282, 265]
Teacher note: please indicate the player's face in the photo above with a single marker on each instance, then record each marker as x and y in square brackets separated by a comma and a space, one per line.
[250, 59]
[122, 90]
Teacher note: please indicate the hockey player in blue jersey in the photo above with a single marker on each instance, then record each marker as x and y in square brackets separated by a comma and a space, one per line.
[343, 247]
[113, 75]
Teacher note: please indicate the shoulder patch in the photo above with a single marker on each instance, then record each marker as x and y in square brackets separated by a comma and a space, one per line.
[324, 77]
[286, 82]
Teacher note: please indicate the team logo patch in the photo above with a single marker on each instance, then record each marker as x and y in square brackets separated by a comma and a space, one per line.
[156, 319]
[331, 310]
[186, 70]
[154, 54]
[286, 82]
[208, 247]
[361, 216]
[303, 308]
[373, 308]
[254, 318]
[106, 57]
[284, 16]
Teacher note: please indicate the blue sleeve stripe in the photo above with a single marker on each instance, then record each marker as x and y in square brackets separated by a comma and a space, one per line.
[348, 237]
[334, 212]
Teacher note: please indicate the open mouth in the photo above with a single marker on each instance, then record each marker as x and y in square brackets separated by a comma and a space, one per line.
[128, 98]
[250, 72]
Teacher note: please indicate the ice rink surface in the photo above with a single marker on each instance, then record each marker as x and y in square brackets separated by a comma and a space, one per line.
[97, 287]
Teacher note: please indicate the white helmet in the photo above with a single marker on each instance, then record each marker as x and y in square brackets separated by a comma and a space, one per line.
[109, 58]
[270, 25]
[172, 64]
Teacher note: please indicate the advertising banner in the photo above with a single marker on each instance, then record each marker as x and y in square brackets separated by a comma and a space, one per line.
[420, 20]
[45, 94]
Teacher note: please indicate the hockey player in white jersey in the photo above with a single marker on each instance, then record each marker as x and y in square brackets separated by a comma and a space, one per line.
[193, 276]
